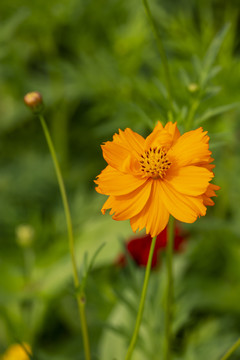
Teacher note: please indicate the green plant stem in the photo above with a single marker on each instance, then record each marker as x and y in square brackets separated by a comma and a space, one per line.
[231, 350]
[169, 290]
[142, 301]
[80, 296]
[191, 114]
[162, 53]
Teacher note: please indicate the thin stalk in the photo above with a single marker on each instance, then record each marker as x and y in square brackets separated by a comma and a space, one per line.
[191, 114]
[192, 111]
[162, 53]
[142, 301]
[231, 350]
[80, 296]
[169, 290]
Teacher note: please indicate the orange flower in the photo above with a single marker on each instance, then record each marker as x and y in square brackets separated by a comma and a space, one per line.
[148, 179]
[17, 352]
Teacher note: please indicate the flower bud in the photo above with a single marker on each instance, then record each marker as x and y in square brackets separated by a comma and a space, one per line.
[192, 88]
[34, 101]
[25, 235]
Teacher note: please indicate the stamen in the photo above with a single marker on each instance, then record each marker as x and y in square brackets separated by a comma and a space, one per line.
[154, 163]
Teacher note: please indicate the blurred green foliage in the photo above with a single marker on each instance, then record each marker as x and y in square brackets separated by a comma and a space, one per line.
[97, 66]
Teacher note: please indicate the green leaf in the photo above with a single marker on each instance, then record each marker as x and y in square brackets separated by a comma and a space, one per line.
[216, 111]
[94, 231]
[211, 55]
[87, 268]
[9, 27]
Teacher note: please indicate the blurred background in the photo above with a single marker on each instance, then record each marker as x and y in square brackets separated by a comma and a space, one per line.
[97, 66]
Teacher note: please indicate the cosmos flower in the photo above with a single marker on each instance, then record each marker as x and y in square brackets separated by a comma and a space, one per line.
[138, 248]
[17, 352]
[149, 179]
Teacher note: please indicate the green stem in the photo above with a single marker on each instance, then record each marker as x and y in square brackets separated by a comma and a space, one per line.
[191, 114]
[142, 301]
[162, 53]
[169, 290]
[80, 296]
[231, 350]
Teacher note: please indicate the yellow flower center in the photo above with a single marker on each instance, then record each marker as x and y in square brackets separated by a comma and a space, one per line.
[154, 163]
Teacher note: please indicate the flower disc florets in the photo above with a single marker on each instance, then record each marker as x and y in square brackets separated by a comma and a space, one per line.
[154, 162]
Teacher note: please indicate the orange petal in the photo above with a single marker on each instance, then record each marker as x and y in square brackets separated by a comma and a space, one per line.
[123, 151]
[189, 180]
[154, 216]
[113, 182]
[190, 149]
[116, 156]
[207, 201]
[130, 140]
[158, 127]
[158, 138]
[126, 206]
[183, 207]
[210, 192]
[173, 130]
[208, 166]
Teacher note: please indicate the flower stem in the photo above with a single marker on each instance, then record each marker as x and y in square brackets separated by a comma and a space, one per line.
[161, 51]
[80, 296]
[231, 350]
[191, 114]
[169, 290]
[142, 301]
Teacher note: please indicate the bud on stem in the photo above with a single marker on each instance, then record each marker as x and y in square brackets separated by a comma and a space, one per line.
[34, 101]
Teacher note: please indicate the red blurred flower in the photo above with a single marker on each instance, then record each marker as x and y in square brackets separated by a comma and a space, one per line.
[138, 248]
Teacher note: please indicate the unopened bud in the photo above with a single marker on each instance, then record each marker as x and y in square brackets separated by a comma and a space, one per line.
[193, 87]
[25, 235]
[34, 101]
